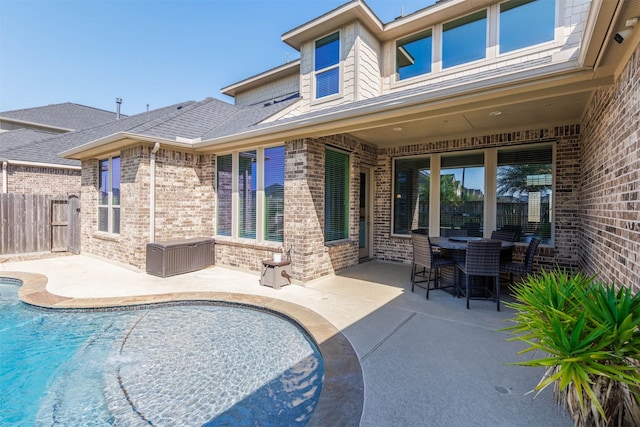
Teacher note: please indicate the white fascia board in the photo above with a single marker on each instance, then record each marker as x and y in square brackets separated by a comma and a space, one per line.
[450, 95]
[41, 165]
[331, 21]
[597, 30]
[262, 78]
[76, 152]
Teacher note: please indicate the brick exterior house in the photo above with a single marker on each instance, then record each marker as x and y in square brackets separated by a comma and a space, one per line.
[205, 170]
[28, 166]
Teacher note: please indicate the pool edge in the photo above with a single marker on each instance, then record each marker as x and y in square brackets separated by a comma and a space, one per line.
[342, 397]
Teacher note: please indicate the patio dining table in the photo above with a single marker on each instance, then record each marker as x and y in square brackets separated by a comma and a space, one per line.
[456, 249]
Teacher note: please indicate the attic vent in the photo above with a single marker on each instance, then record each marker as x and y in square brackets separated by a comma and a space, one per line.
[180, 107]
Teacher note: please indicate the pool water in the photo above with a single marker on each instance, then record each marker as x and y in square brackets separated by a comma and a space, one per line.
[184, 365]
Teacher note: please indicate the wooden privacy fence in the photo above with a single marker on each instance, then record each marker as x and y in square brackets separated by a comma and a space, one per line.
[39, 223]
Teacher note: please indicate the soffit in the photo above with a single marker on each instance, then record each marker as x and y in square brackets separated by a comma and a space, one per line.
[275, 74]
[425, 117]
[483, 120]
[331, 21]
[438, 13]
[612, 55]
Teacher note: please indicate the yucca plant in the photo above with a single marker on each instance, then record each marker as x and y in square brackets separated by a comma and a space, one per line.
[589, 333]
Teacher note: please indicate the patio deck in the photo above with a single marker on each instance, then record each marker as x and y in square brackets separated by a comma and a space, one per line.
[423, 362]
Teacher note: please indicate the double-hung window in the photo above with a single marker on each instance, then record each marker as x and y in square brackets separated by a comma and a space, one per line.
[336, 196]
[526, 23]
[109, 195]
[327, 65]
[250, 194]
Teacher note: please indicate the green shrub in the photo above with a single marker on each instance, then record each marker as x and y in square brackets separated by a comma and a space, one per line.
[590, 335]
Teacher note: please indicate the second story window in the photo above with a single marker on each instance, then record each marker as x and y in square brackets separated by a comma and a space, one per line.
[327, 65]
[464, 40]
[413, 55]
[526, 23]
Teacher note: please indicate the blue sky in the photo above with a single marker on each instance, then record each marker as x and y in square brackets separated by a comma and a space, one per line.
[157, 52]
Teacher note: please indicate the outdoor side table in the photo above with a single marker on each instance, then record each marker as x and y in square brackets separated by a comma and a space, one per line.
[275, 273]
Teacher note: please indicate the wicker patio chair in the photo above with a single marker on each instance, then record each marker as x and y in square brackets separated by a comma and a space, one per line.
[455, 232]
[522, 268]
[507, 236]
[482, 260]
[426, 264]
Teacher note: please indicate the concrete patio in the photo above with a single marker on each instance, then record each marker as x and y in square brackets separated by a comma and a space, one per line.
[424, 362]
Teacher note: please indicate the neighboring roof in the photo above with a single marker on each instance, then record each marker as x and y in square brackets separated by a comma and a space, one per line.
[46, 150]
[198, 121]
[66, 116]
[13, 139]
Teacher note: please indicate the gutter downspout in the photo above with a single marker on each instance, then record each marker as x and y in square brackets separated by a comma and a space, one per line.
[152, 193]
[5, 184]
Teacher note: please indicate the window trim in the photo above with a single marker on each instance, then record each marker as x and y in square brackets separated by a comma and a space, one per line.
[493, 55]
[431, 157]
[488, 32]
[490, 183]
[337, 65]
[432, 35]
[110, 206]
[235, 198]
[347, 208]
[538, 46]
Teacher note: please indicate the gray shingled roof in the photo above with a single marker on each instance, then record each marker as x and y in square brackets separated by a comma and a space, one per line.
[13, 139]
[66, 116]
[204, 119]
[46, 150]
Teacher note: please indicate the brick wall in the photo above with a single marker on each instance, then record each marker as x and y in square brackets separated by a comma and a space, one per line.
[23, 179]
[610, 166]
[184, 203]
[567, 138]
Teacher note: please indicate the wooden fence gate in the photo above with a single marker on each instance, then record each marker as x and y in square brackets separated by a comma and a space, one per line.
[31, 223]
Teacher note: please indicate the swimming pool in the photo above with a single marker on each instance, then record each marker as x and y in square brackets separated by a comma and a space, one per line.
[171, 365]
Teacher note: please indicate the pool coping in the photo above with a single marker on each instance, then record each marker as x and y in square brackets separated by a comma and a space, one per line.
[342, 397]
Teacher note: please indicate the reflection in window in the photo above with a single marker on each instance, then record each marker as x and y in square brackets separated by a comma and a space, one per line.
[336, 196]
[462, 194]
[327, 65]
[247, 186]
[274, 193]
[524, 192]
[109, 195]
[413, 55]
[464, 40]
[526, 23]
[224, 194]
[412, 182]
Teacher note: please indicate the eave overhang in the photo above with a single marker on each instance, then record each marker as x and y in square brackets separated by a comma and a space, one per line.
[118, 141]
[288, 69]
[330, 21]
[558, 80]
